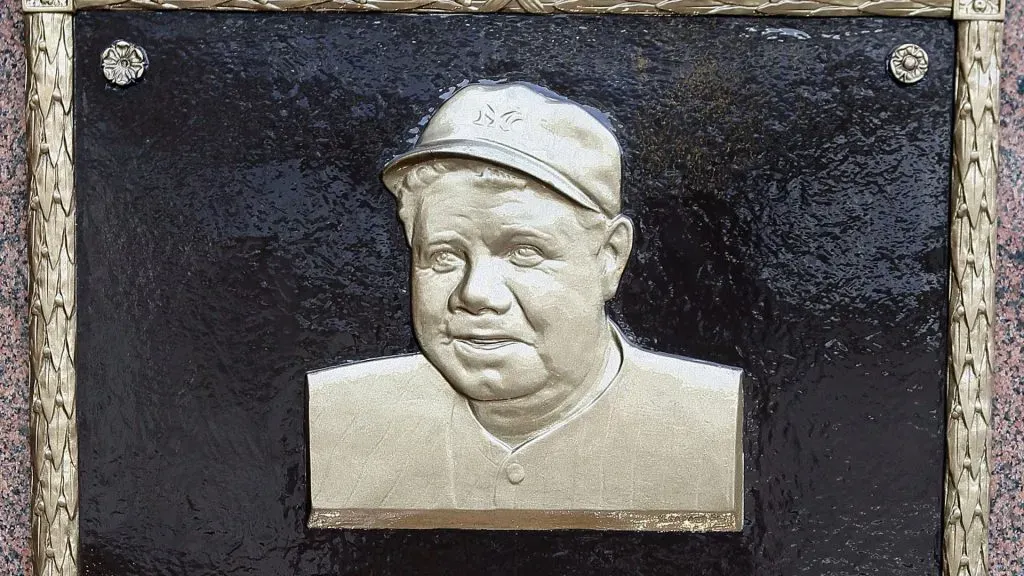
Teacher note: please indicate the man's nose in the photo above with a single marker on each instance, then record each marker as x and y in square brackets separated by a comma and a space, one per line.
[482, 289]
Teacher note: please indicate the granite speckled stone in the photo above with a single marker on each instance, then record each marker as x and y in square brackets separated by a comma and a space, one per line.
[1007, 520]
[1006, 535]
[14, 453]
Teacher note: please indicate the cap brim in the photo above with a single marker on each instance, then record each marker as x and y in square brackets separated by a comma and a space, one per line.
[487, 151]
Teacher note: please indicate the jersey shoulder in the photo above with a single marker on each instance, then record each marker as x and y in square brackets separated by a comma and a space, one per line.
[702, 401]
[373, 426]
[381, 386]
[681, 374]
[688, 415]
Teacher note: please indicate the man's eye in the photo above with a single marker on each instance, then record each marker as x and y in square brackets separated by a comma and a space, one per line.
[525, 255]
[444, 260]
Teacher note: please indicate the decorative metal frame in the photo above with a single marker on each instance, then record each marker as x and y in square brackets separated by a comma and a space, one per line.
[52, 260]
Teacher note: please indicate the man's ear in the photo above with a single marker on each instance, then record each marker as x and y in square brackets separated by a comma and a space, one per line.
[407, 216]
[407, 228]
[618, 244]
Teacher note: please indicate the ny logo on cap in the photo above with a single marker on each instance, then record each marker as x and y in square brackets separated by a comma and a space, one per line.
[489, 117]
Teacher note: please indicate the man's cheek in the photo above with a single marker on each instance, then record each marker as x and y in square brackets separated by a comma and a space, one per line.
[431, 292]
[545, 298]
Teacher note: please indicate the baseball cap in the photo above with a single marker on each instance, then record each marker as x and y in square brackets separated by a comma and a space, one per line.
[528, 129]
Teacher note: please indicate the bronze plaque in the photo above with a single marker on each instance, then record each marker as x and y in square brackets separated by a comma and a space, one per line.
[324, 293]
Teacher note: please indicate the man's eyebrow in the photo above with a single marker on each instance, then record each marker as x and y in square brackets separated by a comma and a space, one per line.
[443, 237]
[512, 230]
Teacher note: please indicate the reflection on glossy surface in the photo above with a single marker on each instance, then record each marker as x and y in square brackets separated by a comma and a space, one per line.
[790, 202]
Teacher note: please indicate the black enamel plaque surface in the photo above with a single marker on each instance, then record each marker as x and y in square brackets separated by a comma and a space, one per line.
[791, 209]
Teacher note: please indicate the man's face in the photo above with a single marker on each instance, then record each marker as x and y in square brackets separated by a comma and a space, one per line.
[508, 286]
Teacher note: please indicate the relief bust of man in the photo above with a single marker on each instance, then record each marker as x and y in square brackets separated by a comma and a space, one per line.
[527, 407]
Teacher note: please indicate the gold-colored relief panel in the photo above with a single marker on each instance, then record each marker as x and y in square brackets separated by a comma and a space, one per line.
[526, 402]
[971, 299]
[537, 519]
[53, 429]
[907, 8]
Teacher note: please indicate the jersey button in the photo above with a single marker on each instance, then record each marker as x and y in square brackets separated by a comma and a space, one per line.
[515, 473]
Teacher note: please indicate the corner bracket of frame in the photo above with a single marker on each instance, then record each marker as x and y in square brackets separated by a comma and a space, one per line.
[979, 9]
[30, 6]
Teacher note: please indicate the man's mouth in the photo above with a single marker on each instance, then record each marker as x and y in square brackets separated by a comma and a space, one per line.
[486, 343]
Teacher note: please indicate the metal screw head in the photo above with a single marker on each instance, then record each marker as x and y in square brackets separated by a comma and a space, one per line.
[908, 63]
[124, 63]
[980, 6]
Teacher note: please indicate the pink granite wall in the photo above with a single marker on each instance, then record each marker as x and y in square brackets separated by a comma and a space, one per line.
[1006, 536]
[14, 456]
[1007, 525]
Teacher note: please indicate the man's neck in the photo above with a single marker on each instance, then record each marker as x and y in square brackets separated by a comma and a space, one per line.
[517, 421]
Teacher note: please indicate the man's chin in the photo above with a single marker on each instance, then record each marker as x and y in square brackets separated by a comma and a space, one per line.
[480, 385]
[486, 383]
[493, 375]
